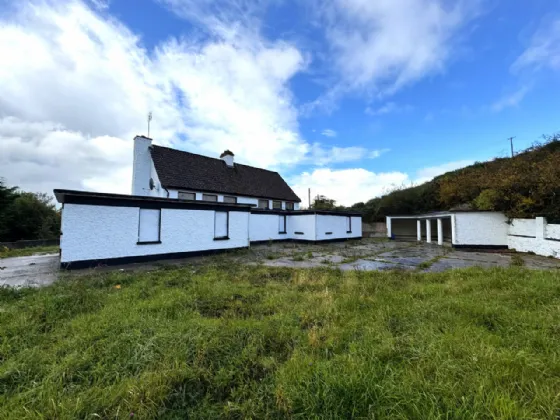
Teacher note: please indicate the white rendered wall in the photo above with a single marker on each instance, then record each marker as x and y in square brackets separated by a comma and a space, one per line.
[525, 227]
[336, 225]
[481, 228]
[99, 232]
[302, 223]
[541, 240]
[141, 166]
[552, 232]
[264, 227]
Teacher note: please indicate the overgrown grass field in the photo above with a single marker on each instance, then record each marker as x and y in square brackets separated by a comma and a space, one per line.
[232, 341]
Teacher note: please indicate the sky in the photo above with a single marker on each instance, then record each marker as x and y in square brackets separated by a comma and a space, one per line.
[351, 98]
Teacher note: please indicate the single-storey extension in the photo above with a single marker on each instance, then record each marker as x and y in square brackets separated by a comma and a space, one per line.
[105, 229]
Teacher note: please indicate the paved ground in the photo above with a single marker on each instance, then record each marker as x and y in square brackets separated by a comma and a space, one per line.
[34, 271]
[365, 254]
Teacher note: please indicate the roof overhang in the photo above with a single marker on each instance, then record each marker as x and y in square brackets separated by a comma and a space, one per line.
[122, 200]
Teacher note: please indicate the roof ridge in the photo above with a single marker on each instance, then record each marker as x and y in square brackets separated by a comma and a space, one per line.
[209, 157]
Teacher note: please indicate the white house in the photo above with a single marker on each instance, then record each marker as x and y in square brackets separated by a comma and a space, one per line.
[184, 204]
[163, 172]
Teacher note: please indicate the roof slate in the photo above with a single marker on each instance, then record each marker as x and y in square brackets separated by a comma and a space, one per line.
[183, 170]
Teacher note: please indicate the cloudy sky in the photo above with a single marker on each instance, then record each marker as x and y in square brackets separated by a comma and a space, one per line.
[348, 97]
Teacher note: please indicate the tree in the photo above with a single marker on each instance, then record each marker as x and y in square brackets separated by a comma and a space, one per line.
[25, 215]
[320, 202]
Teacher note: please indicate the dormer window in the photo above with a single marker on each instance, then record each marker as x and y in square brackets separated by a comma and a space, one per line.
[185, 195]
[277, 205]
[289, 206]
[263, 204]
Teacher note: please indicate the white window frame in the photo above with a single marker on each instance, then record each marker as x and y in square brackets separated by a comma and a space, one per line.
[154, 240]
[221, 237]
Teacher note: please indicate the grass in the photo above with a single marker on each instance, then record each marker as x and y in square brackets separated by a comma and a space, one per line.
[233, 341]
[23, 252]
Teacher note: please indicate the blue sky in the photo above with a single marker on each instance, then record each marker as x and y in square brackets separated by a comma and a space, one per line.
[350, 98]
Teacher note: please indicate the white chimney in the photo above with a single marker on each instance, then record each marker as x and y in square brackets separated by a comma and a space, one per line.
[141, 166]
[227, 157]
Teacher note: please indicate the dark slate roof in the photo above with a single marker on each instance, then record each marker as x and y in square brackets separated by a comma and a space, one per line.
[183, 170]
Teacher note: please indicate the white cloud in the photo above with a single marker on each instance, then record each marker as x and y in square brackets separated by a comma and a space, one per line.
[321, 156]
[350, 186]
[346, 186]
[66, 66]
[543, 50]
[511, 100]
[388, 108]
[386, 44]
[328, 133]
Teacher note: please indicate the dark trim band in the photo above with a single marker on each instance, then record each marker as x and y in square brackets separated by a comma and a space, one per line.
[475, 247]
[148, 243]
[304, 212]
[140, 258]
[522, 236]
[299, 233]
[222, 238]
[552, 239]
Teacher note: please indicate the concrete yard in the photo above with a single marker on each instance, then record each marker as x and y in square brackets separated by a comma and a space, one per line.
[364, 254]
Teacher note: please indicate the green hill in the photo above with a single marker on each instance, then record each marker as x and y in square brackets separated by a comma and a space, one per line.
[526, 185]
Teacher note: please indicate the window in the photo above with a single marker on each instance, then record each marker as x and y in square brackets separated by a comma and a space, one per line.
[277, 205]
[221, 225]
[289, 206]
[209, 197]
[281, 224]
[263, 204]
[348, 224]
[229, 199]
[149, 226]
[184, 195]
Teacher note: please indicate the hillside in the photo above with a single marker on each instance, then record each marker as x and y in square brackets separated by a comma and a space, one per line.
[526, 185]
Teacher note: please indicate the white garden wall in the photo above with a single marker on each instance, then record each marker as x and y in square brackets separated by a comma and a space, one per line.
[480, 228]
[105, 232]
[543, 239]
[302, 227]
[523, 227]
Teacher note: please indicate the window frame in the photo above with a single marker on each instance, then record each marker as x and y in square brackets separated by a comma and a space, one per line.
[210, 195]
[221, 238]
[280, 217]
[158, 241]
[186, 192]
[274, 202]
[230, 196]
[259, 204]
[349, 224]
[290, 205]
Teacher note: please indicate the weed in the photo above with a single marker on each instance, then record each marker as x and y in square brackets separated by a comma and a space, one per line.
[517, 260]
[5, 252]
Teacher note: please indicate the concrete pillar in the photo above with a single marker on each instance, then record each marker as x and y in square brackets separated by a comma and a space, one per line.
[428, 231]
[389, 233]
[419, 230]
[439, 232]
